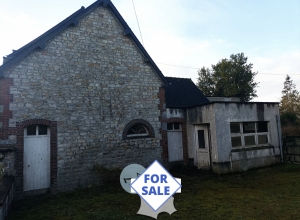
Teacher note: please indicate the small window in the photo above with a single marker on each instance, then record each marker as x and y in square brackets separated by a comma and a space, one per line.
[138, 128]
[175, 126]
[249, 127]
[42, 129]
[236, 141]
[251, 134]
[201, 141]
[235, 128]
[31, 130]
[262, 126]
[170, 126]
[262, 139]
[249, 140]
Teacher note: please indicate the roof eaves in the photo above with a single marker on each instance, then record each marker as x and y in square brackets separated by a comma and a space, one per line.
[129, 32]
[40, 42]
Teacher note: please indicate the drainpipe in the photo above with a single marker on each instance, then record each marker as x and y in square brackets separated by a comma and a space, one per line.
[279, 136]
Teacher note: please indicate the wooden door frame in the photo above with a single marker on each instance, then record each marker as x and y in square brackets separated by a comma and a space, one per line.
[179, 132]
[45, 158]
[208, 142]
[19, 159]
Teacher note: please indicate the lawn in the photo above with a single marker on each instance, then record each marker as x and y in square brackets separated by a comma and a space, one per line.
[269, 193]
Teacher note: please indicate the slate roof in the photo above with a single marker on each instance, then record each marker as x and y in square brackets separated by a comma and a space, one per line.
[73, 20]
[183, 93]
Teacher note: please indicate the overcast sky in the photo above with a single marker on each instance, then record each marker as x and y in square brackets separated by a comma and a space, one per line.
[190, 33]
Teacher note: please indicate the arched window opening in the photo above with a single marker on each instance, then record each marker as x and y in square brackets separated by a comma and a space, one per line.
[138, 128]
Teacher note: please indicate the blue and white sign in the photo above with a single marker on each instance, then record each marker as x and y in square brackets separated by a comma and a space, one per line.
[156, 185]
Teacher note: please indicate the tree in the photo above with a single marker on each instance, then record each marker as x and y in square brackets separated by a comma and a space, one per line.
[290, 103]
[229, 77]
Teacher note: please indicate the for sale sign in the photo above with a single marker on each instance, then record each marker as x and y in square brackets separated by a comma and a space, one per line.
[156, 185]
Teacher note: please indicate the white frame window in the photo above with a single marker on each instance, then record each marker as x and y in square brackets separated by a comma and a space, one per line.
[36, 130]
[249, 134]
[174, 126]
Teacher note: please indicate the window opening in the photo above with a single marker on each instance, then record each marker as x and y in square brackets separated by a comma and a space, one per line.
[245, 134]
[31, 130]
[201, 141]
[42, 129]
[235, 128]
[36, 130]
[174, 126]
[137, 130]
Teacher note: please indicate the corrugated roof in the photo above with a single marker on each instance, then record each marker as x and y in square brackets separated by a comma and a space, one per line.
[73, 20]
[183, 93]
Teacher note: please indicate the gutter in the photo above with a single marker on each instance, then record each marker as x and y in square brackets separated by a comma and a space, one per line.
[279, 136]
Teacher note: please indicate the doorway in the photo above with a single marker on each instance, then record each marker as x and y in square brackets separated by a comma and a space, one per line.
[36, 163]
[202, 147]
[175, 146]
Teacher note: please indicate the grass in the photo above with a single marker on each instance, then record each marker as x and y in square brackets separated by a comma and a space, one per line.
[269, 193]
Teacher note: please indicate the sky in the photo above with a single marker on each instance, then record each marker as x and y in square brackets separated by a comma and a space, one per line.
[190, 33]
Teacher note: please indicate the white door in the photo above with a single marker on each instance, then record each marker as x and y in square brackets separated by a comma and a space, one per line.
[175, 148]
[202, 147]
[36, 157]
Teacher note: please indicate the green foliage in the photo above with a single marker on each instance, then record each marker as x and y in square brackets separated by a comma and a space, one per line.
[289, 118]
[290, 102]
[229, 77]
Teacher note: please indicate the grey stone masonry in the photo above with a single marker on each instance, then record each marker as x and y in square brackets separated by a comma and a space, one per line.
[7, 160]
[92, 80]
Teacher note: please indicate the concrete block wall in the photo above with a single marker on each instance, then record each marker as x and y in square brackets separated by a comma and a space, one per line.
[291, 149]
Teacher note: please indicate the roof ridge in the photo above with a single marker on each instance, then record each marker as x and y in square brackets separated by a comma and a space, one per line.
[177, 77]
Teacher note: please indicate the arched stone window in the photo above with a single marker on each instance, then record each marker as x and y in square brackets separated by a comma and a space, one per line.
[138, 128]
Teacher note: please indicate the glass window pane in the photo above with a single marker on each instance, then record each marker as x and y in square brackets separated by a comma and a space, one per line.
[249, 140]
[236, 141]
[137, 129]
[176, 126]
[249, 127]
[201, 141]
[42, 129]
[262, 139]
[262, 126]
[235, 127]
[31, 130]
[170, 126]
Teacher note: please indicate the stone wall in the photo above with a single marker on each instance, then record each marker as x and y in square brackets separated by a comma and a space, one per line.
[291, 149]
[92, 80]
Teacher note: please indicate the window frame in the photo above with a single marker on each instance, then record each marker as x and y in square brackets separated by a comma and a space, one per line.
[242, 134]
[37, 131]
[137, 134]
[146, 125]
[173, 126]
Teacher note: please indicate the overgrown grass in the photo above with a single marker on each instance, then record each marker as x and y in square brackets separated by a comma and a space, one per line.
[269, 193]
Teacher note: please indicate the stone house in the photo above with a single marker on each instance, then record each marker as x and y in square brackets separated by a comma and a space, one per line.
[86, 92]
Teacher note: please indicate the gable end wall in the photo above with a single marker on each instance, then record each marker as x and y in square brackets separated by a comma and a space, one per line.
[92, 80]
